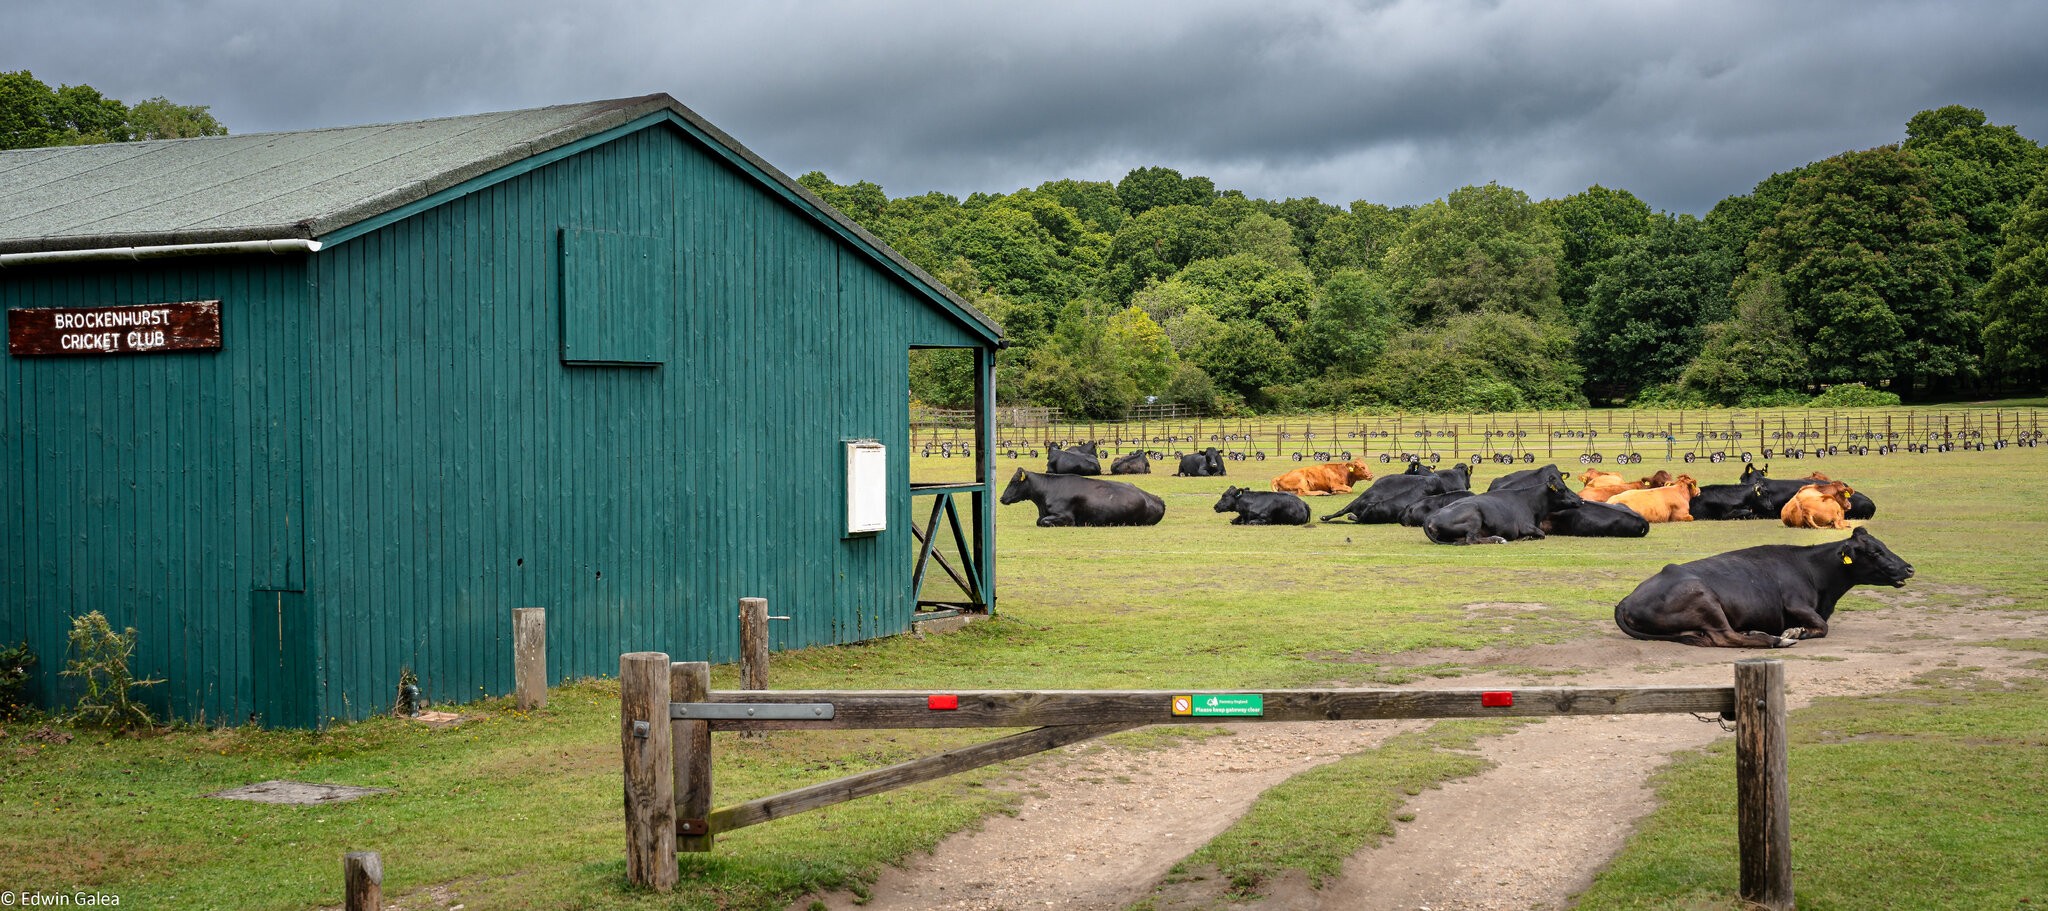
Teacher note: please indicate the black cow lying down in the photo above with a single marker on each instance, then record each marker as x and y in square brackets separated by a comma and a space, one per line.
[1503, 514]
[1456, 477]
[1388, 498]
[1415, 515]
[1135, 463]
[1205, 464]
[1527, 477]
[1597, 520]
[1078, 460]
[1263, 507]
[1770, 596]
[1068, 500]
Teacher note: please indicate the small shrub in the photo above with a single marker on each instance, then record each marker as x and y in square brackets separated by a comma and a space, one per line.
[1854, 395]
[16, 664]
[1783, 398]
[1668, 396]
[99, 658]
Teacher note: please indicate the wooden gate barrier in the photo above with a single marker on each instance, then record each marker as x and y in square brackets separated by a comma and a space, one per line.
[668, 711]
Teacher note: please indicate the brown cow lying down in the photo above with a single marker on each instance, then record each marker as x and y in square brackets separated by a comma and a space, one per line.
[1818, 506]
[1670, 503]
[1604, 486]
[1324, 479]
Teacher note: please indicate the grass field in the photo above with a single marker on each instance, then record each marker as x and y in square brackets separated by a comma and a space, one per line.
[517, 811]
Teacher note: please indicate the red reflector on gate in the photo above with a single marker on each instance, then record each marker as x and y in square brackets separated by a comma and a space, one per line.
[942, 702]
[1496, 700]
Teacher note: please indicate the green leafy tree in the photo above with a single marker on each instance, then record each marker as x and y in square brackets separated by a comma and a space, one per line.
[1094, 201]
[1158, 243]
[1592, 226]
[1265, 237]
[1648, 305]
[1245, 287]
[1304, 217]
[1754, 353]
[159, 118]
[1145, 189]
[1077, 369]
[1347, 326]
[942, 377]
[1139, 347]
[1192, 332]
[1980, 172]
[33, 114]
[1873, 272]
[1480, 248]
[2015, 299]
[1481, 361]
[1358, 239]
[1245, 358]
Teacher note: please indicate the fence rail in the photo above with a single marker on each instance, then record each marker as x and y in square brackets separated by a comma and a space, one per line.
[1619, 436]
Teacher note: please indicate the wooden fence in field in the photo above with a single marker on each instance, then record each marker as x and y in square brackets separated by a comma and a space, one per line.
[1591, 437]
[668, 712]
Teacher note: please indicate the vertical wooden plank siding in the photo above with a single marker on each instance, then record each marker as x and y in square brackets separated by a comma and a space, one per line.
[160, 490]
[465, 470]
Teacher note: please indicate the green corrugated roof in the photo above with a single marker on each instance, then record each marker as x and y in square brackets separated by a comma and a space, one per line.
[313, 183]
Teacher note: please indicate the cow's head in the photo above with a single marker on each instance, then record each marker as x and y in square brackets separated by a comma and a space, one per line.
[1415, 467]
[1356, 470]
[1758, 499]
[1558, 495]
[1869, 562]
[1660, 479]
[1020, 488]
[1229, 501]
[1685, 482]
[1751, 474]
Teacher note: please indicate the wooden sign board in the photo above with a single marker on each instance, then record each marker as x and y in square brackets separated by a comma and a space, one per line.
[143, 329]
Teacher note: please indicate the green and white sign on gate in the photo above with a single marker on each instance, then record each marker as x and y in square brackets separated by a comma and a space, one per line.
[1220, 705]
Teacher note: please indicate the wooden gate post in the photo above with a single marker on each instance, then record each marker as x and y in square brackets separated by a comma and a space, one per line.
[1763, 815]
[753, 643]
[647, 742]
[690, 681]
[362, 881]
[530, 658]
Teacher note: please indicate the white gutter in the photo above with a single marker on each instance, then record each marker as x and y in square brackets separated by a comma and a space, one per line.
[280, 246]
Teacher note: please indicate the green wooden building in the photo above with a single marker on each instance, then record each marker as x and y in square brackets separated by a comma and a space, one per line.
[308, 408]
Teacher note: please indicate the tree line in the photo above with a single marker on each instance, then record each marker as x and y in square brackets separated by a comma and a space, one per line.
[1918, 269]
[32, 115]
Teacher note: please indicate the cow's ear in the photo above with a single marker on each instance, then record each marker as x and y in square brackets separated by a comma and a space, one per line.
[1019, 476]
[1860, 532]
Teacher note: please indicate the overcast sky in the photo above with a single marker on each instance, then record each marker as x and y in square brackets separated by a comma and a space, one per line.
[1398, 102]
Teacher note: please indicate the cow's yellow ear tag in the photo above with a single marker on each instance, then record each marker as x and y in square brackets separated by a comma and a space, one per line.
[1846, 561]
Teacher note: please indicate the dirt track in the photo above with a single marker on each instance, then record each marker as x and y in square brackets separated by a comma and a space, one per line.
[1101, 826]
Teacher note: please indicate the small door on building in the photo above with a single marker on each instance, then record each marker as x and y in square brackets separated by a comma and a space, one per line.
[283, 671]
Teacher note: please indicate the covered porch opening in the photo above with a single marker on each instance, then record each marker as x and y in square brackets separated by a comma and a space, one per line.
[952, 478]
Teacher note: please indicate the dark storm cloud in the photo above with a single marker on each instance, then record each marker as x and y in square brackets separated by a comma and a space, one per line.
[1397, 102]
